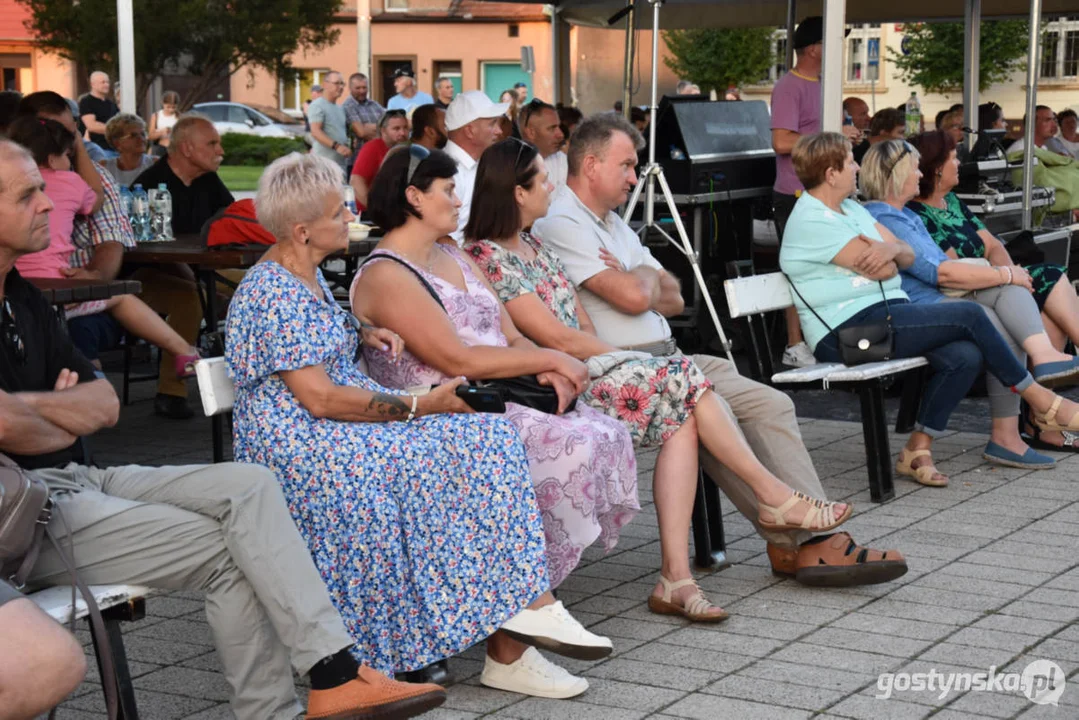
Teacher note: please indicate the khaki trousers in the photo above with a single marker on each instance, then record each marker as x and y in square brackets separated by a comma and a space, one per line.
[224, 530]
[768, 423]
[176, 298]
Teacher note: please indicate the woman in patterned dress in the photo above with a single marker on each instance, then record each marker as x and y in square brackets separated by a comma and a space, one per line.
[664, 402]
[961, 234]
[420, 515]
[582, 462]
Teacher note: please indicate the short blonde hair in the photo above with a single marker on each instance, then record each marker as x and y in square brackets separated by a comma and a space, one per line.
[293, 189]
[886, 167]
[120, 125]
[815, 155]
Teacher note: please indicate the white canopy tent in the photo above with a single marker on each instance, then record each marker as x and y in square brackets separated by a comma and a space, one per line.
[678, 14]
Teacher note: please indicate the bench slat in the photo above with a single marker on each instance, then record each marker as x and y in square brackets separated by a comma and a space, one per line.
[757, 294]
[836, 372]
[56, 600]
[811, 373]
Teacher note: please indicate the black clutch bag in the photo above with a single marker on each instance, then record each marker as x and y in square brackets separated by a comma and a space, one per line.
[526, 390]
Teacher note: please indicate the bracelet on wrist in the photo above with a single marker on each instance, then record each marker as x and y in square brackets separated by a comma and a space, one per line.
[1011, 276]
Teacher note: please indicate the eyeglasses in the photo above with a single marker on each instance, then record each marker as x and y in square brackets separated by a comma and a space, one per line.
[416, 155]
[907, 148]
[10, 332]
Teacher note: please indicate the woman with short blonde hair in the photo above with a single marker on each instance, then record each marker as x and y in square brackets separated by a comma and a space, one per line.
[844, 268]
[126, 133]
[889, 178]
[419, 513]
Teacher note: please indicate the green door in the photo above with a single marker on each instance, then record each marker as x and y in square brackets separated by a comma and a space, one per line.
[500, 76]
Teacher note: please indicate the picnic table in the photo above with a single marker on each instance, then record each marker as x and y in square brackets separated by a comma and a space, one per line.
[63, 291]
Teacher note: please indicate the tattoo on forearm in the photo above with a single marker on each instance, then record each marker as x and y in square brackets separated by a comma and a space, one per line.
[388, 406]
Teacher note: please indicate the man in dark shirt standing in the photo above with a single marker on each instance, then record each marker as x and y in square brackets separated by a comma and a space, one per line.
[190, 173]
[223, 530]
[96, 108]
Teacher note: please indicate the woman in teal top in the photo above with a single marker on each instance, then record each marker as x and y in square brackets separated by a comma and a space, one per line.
[842, 262]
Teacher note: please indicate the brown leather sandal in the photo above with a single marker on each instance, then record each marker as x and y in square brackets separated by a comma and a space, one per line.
[837, 561]
[924, 474]
[696, 607]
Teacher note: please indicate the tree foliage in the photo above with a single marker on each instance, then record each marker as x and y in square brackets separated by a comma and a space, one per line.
[716, 59]
[934, 59]
[206, 38]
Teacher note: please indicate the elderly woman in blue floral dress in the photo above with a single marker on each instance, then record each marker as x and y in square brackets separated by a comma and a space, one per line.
[420, 515]
[664, 402]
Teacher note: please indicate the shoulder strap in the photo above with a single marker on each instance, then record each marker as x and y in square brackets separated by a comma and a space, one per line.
[808, 306]
[414, 271]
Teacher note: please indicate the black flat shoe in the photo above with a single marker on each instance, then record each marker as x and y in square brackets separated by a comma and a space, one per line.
[173, 406]
[437, 673]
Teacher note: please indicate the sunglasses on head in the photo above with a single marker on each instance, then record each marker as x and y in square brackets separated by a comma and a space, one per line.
[521, 147]
[416, 155]
[907, 149]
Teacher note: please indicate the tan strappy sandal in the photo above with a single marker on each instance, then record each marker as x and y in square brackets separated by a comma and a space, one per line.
[820, 517]
[1049, 420]
[923, 473]
[696, 607]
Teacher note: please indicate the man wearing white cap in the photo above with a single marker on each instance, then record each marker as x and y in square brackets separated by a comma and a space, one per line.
[472, 122]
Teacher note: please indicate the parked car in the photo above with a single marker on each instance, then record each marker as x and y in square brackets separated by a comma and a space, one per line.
[251, 119]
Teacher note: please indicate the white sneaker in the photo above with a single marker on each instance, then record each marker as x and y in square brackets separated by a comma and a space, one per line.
[798, 356]
[532, 674]
[553, 628]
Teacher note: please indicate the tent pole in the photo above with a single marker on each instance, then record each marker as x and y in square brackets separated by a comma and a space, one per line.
[972, 46]
[1032, 103]
[631, 40]
[125, 32]
[556, 52]
[792, 12]
[832, 72]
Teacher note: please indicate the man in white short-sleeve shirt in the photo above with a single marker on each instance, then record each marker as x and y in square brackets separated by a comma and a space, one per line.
[473, 125]
[628, 295]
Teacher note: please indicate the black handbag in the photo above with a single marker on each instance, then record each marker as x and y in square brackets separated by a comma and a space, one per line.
[524, 390]
[860, 344]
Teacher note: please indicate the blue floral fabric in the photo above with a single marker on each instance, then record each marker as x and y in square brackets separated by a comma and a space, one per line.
[427, 533]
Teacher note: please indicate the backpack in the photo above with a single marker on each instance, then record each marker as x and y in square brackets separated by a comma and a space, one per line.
[236, 224]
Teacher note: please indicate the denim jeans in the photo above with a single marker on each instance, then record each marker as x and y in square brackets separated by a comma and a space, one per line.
[955, 337]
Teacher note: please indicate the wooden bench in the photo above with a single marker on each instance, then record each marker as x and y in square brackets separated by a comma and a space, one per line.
[218, 394]
[117, 603]
[750, 297]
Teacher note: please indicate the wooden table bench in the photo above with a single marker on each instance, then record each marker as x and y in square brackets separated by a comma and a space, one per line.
[63, 291]
[755, 295]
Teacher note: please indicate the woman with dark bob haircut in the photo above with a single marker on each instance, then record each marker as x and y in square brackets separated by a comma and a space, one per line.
[664, 402]
[845, 267]
[582, 462]
[961, 234]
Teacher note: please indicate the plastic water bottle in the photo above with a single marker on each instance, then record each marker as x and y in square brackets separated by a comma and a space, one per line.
[914, 115]
[125, 201]
[161, 214]
[140, 215]
[350, 200]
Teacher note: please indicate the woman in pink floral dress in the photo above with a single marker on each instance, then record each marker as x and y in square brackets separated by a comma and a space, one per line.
[665, 402]
[583, 465]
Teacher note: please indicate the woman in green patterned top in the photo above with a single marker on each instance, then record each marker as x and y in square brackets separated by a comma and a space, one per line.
[960, 234]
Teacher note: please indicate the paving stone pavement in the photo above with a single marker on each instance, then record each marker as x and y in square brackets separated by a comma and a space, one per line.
[993, 582]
